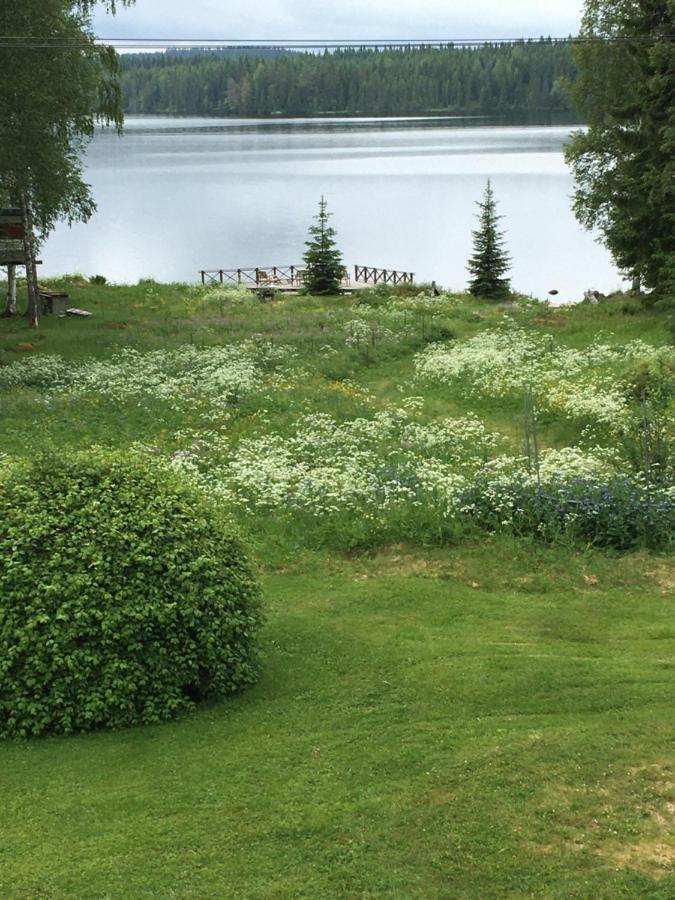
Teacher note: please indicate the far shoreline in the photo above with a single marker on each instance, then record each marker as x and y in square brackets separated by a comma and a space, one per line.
[516, 119]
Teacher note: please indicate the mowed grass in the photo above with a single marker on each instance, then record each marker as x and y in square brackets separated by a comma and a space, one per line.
[417, 732]
[488, 720]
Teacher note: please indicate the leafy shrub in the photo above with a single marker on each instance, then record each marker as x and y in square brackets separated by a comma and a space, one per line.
[619, 513]
[124, 597]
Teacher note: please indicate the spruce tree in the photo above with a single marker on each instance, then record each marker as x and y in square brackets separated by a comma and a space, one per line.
[490, 262]
[323, 261]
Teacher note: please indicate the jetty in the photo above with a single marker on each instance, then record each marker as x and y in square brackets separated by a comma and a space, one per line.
[291, 279]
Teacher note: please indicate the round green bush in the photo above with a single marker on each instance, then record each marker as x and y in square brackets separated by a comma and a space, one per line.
[125, 598]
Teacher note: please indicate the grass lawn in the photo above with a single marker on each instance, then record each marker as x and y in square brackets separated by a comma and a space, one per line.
[421, 730]
[492, 718]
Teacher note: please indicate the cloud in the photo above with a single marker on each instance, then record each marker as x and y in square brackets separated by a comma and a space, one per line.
[326, 19]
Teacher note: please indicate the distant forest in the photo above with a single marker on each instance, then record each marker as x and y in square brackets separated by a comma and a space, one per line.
[527, 77]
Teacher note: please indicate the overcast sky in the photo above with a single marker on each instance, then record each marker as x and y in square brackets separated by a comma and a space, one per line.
[342, 19]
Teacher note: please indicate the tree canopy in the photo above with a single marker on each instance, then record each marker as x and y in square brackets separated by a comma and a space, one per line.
[526, 76]
[51, 100]
[623, 163]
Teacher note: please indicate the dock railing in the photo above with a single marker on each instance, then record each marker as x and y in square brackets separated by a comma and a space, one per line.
[294, 276]
[257, 277]
[373, 275]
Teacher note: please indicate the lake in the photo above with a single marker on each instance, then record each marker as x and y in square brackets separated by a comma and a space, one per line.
[176, 195]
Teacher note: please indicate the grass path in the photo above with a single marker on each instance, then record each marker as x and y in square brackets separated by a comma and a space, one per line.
[412, 736]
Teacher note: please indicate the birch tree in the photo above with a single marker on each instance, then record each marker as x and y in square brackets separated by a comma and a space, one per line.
[57, 85]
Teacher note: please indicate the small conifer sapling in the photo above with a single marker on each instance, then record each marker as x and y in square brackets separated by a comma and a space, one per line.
[490, 262]
[323, 261]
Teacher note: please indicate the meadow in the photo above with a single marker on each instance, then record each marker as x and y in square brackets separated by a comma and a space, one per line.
[462, 514]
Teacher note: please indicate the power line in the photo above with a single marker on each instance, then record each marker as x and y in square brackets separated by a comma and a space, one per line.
[146, 43]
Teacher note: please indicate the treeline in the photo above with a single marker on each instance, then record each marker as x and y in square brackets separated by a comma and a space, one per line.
[524, 77]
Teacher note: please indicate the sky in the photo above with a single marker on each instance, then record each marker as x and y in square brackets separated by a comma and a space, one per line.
[341, 19]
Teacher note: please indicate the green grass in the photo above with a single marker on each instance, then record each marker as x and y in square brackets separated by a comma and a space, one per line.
[487, 720]
[416, 733]
[152, 316]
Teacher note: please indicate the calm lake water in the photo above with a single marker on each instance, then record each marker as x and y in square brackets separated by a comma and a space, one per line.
[179, 195]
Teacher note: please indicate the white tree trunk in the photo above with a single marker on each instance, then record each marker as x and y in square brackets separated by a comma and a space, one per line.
[10, 304]
[31, 267]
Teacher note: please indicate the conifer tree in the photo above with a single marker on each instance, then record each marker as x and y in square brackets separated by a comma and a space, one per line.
[323, 261]
[490, 261]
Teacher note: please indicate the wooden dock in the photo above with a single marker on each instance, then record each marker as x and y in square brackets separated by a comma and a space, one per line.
[290, 279]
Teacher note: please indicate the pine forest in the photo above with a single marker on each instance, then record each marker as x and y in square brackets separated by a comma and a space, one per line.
[529, 76]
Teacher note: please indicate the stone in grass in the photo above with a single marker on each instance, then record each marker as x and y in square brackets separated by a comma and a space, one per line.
[125, 596]
[80, 313]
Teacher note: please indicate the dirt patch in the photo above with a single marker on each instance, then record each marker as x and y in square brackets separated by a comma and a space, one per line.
[591, 818]
[652, 857]
[395, 560]
[663, 575]
[654, 854]
[407, 564]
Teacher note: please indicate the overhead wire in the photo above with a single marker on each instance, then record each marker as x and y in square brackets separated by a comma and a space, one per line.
[151, 43]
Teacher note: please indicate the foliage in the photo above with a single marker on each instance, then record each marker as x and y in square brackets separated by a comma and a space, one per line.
[180, 377]
[323, 261]
[526, 76]
[230, 294]
[51, 101]
[490, 262]
[623, 162]
[646, 440]
[358, 421]
[582, 384]
[617, 512]
[125, 597]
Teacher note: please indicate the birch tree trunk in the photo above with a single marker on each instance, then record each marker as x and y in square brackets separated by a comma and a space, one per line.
[10, 303]
[31, 267]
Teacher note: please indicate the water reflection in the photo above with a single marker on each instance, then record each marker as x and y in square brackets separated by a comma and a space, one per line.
[178, 195]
